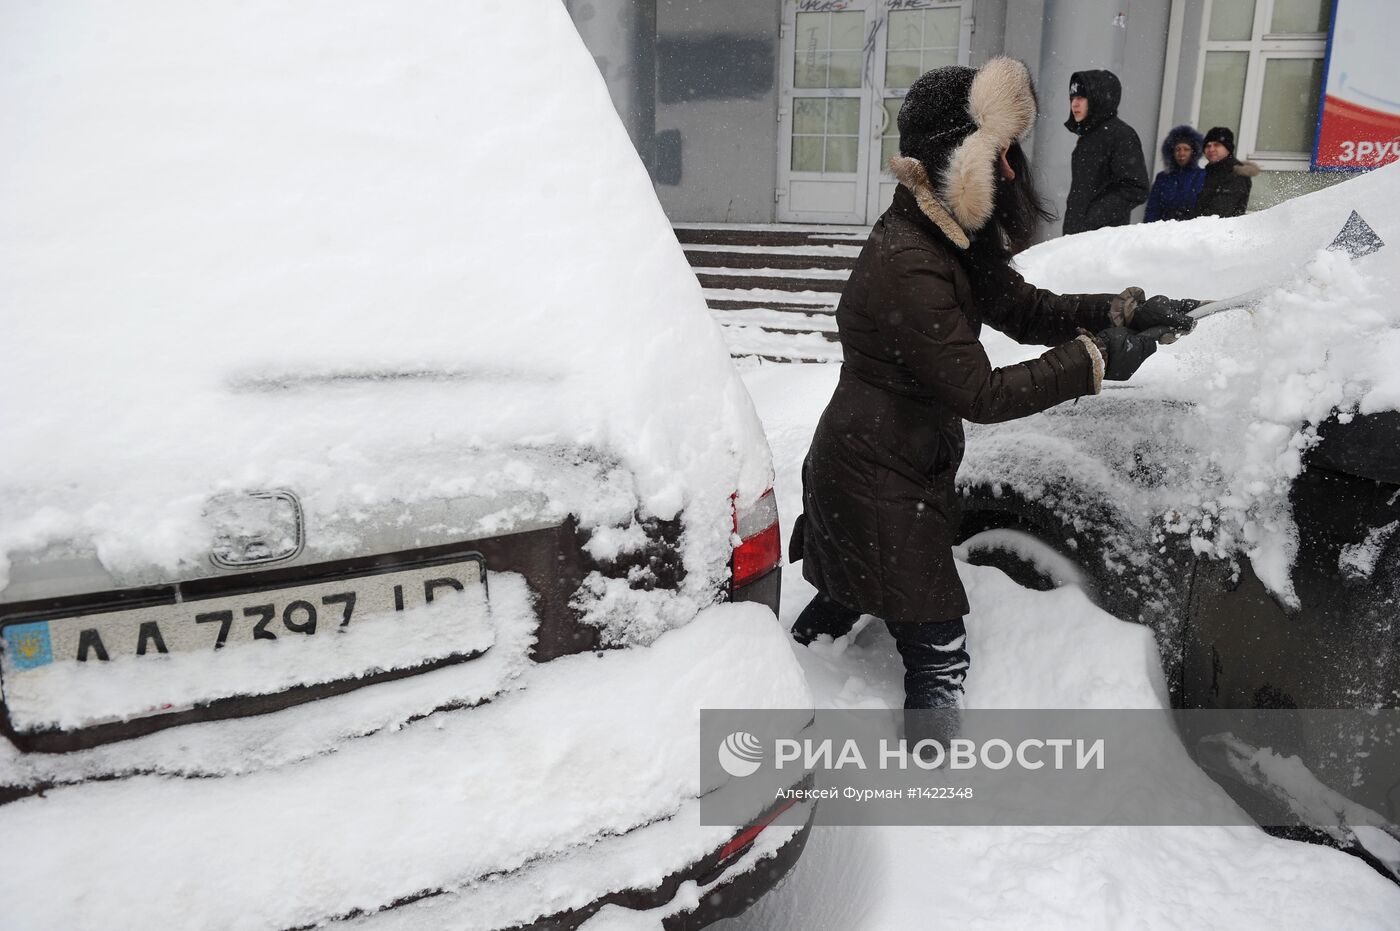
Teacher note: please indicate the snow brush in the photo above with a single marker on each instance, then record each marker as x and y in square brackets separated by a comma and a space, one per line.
[1355, 239]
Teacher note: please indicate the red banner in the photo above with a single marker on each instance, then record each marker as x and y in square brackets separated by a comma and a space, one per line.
[1360, 119]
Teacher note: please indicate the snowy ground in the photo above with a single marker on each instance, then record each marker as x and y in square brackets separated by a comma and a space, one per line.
[1030, 649]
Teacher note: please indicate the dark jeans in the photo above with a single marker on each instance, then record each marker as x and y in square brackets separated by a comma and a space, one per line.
[934, 652]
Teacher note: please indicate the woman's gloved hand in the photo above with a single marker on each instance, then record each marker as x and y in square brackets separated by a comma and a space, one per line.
[1123, 350]
[1135, 310]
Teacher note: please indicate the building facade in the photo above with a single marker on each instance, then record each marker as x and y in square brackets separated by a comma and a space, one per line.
[759, 111]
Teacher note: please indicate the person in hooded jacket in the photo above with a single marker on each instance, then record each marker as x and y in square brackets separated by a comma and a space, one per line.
[880, 508]
[1176, 188]
[1225, 191]
[1108, 176]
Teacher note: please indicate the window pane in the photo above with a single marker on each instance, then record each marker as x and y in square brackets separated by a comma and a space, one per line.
[848, 30]
[889, 138]
[1288, 104]
[1301, 16]
[810, 70]
[1222, 90]
[841, 154]
[889, 148]
[892, 105]
[807, 153]
[1231, 19]
[941, 28]
[905, 30]
[813, 32]
[843, 117]
[902, 68]
[845, 69]
[938, 57]
[813, 39]
[809, 115]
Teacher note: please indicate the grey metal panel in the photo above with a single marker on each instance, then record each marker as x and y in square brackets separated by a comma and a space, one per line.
[621, 36]
[1192, 28]
[1079, 35]
[717, 109]
[989, 31]
[1023, 34]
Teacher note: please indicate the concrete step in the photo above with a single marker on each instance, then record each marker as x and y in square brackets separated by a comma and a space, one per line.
[773, 288]
[711, 279]
[772, 305]
[774, 260]
[769, 236]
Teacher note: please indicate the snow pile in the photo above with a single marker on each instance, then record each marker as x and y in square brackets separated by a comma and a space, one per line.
[252, 246]
[1358, 561]
[627, 614]
[535, 786]
[1312, 350]
[1322, 340]
[610, 863]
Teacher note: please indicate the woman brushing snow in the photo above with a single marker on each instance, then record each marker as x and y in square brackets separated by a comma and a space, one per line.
[878, 483]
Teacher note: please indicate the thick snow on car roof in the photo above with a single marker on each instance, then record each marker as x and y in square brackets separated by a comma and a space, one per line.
[249, 244]
[1323, 339]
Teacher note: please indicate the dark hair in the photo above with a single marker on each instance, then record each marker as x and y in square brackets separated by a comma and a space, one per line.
[1018, 211]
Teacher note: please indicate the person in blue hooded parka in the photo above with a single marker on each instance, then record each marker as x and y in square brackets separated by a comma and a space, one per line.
[1175, 190]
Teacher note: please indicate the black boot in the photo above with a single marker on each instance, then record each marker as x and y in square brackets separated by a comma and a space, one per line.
[935, 664]
[823, 616]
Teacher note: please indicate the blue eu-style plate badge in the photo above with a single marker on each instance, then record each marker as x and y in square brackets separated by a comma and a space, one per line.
[29, 645]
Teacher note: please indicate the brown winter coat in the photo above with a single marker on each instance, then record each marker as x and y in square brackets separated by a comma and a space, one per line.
[881, 510]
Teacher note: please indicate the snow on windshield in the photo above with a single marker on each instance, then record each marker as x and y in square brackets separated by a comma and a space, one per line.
[1324, 338]
[327, 246]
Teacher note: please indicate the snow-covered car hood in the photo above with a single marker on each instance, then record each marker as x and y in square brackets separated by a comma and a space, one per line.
[248, 246]
[1207, 437]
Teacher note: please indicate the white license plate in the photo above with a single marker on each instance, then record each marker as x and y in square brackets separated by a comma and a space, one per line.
[105, 666]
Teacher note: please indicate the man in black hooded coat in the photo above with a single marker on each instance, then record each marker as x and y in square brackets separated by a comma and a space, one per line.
[1108, 175]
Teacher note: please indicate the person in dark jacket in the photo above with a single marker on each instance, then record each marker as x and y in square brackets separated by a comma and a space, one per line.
[880, 507]
[1176, 188]
[1108, 176]
[1225, 192]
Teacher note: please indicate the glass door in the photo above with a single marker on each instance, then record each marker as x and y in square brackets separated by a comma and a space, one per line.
[846, 65]
[822, 161]
[916, 37]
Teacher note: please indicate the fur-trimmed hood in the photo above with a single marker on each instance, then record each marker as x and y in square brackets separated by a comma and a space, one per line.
[1235, 166]
[1179, 134]
[1000, 109]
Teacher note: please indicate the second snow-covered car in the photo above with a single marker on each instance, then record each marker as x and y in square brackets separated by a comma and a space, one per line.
[1241, 495]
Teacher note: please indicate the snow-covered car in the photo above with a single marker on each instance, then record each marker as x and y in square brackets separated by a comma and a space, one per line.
[1241, 495]
[378, 503]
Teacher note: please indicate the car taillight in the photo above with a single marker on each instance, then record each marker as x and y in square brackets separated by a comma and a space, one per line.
[760, 548]
[746, 837]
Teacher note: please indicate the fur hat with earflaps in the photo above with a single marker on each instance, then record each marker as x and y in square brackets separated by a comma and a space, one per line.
[952, 126]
